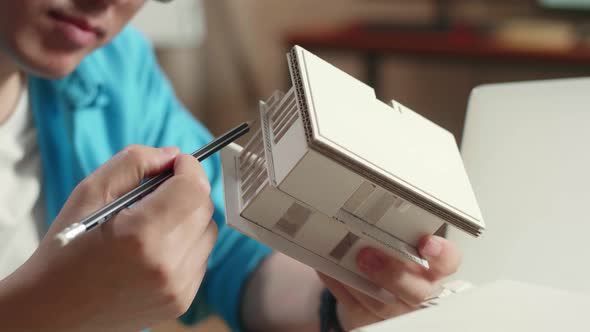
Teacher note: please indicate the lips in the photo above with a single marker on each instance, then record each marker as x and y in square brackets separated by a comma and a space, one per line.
[80, 23]
[75, 32]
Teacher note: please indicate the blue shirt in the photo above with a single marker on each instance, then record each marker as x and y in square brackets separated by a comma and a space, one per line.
[116, 97]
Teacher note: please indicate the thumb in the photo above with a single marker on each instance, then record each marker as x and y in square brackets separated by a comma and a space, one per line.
[121, 174]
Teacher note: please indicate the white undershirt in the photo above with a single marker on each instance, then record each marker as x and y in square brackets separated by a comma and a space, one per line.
[21, 205]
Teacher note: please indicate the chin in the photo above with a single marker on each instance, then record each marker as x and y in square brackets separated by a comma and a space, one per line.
[51, 66]
[56, 70]
[39, 59]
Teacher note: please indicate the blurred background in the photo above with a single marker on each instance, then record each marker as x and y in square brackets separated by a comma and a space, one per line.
[222, 56]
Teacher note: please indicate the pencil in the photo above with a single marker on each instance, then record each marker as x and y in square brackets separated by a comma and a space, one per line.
[106, 213]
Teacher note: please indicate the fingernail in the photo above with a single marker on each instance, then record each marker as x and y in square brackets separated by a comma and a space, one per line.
[432, 248]
[170, 151]
[370, 261]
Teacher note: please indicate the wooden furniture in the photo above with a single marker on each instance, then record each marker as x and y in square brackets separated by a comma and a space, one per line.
[459, 42]
[433, 72]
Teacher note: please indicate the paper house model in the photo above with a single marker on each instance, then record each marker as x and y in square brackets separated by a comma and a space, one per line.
[330, 169]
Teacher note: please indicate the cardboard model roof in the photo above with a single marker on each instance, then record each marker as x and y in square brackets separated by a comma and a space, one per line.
[391, 146]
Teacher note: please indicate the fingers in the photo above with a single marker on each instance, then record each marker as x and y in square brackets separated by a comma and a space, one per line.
[406, 280]
[179, 243]
[178, 198]
[188, 166]
[190, 242]
[378, 308]
[191, 271]
[442, 255]
[351, 297]
[395, 276]
[351, 312]
[194, 264]
[179, 279]
[124, 172]
[159, 230]
[338, 290]
[149, 255]
[173, 309]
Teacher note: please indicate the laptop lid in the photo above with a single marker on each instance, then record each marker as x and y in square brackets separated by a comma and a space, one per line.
[526, 149]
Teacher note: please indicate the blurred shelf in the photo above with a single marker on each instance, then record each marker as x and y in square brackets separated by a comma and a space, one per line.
[458, 42]
[462, 43]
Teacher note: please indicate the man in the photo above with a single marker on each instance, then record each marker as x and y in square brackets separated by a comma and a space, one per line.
[73, 76]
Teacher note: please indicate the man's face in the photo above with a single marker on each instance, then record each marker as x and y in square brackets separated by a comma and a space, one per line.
[50, 37]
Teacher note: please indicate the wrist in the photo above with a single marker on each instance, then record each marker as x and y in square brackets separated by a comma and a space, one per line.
[17, 305]
[27, 303]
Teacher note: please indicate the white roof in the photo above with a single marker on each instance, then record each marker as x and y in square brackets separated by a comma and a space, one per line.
[392, 146]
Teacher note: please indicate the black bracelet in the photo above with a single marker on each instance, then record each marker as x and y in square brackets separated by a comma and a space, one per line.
[328, 317]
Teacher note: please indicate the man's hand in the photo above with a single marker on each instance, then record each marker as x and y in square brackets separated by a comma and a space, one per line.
[143, 266]
[409, 282]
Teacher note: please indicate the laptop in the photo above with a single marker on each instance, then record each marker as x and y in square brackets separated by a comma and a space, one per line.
[499, 306]
[526, 148]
